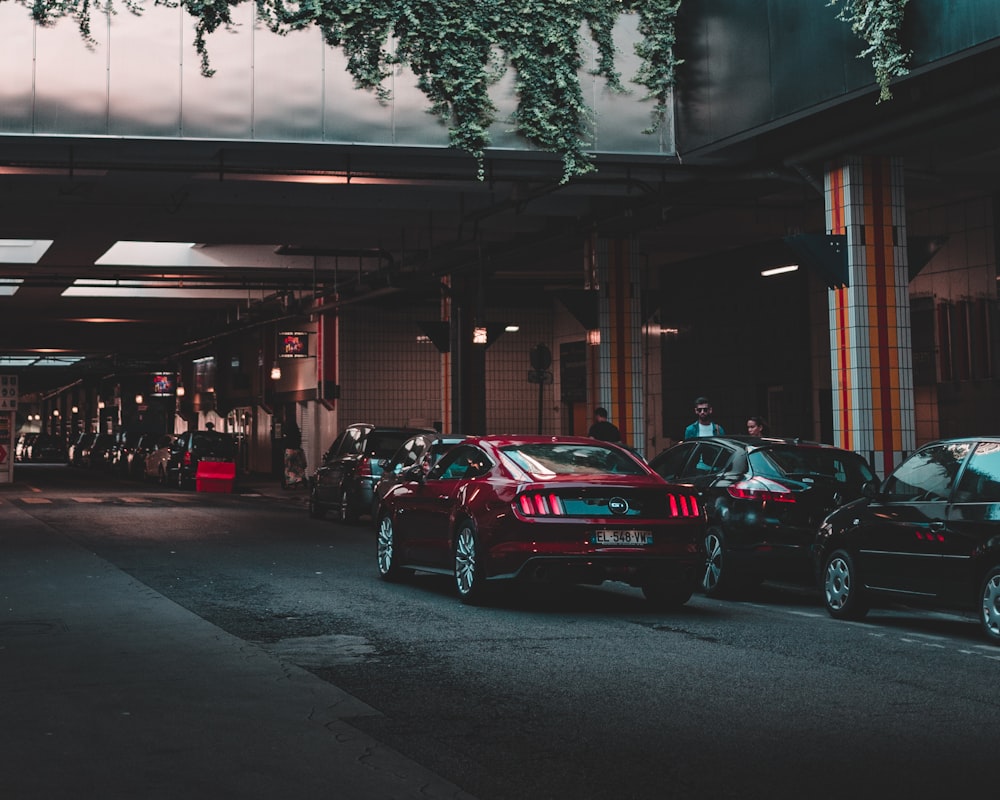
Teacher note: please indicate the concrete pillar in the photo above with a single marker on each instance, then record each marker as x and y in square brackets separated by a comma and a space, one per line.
[870, 345]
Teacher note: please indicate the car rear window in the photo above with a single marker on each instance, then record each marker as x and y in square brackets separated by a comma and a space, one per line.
[546, 460]
[215, 444]
[842, 466]
[385, 444]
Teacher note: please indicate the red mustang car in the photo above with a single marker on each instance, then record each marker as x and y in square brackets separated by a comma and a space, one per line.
[543, 508]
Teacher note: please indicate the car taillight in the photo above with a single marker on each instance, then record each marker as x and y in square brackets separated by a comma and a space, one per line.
[540, 504]
[187, 458]
[364, 468]
[762, 489]
[683, 505]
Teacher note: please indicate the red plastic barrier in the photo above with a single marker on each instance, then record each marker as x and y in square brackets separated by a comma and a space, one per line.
[215, 476]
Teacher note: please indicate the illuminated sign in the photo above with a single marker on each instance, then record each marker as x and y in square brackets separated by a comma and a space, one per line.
[293, 344]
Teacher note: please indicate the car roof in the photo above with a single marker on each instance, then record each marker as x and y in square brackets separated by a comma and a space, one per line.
[763, 441]
[507, 439]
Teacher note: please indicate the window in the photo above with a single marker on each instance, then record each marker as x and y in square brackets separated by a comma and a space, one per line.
[708, 460]
[670, 464]
[981, 480]
[462, 462]
[547, 460]
[928, 474]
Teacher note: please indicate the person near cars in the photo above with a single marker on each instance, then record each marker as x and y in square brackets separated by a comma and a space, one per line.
[756, 426]
[295, 457]
[703, 425]
[603, 428]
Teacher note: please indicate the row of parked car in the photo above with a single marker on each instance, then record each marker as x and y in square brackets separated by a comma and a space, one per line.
[169, 459]
[717, 514]
[40, 448]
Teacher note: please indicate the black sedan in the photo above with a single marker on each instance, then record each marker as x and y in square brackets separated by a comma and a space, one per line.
[765, 499]
[930, 536]
[543, 509]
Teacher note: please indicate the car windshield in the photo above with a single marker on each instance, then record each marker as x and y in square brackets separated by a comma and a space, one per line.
[810, 462]
[546, 460]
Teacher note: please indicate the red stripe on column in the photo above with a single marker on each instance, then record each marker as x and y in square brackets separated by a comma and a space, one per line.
[884, 443]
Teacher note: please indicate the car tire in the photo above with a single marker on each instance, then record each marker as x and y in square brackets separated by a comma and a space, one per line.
[719, 579]
[470, 571]
[666, 594]
[316, 509]
[843, 594]
[989, 615]
[388, 567]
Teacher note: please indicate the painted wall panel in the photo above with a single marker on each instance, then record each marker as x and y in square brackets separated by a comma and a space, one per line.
[16, 67]
[146, 101]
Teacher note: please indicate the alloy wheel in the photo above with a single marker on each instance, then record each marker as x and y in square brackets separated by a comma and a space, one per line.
[991, 605]
[713, 562]
[465, 562]
[385, 547]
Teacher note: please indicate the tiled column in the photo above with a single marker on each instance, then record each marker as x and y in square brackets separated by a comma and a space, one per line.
[870, 345]
[619, 358]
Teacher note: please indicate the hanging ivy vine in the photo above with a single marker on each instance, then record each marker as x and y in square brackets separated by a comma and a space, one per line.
[878, 23]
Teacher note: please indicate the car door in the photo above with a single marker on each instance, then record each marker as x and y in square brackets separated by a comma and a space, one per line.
[429, 507]
[900, 544]
[330, 474]
[973, 522]
[708, 471]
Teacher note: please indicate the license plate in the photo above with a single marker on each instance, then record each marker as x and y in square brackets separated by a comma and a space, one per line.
[629, 538]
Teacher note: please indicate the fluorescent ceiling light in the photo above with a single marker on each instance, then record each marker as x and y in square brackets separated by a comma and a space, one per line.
[101, 320]
[767, 273]
[23, 251]
[38, 361]
[99, 288]
[189, 255]
[9, 285]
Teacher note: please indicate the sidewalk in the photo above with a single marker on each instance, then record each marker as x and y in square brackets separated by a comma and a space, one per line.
[110, 690]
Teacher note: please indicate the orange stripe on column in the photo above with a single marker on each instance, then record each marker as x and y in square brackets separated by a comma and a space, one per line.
[876, 177]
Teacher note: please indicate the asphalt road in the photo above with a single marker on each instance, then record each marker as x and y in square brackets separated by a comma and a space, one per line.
[581, 693]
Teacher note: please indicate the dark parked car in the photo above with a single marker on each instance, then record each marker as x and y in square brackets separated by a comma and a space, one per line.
[22, 447]
[192, 447]
[543, 509]
[46, 448]
[346, 479]
[765, 499]
[929, 536]
[79, 448]
[98, 455]
[123, 450]
[421, 451]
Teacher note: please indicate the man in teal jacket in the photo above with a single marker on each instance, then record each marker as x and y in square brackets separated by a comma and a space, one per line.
[703, 426]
